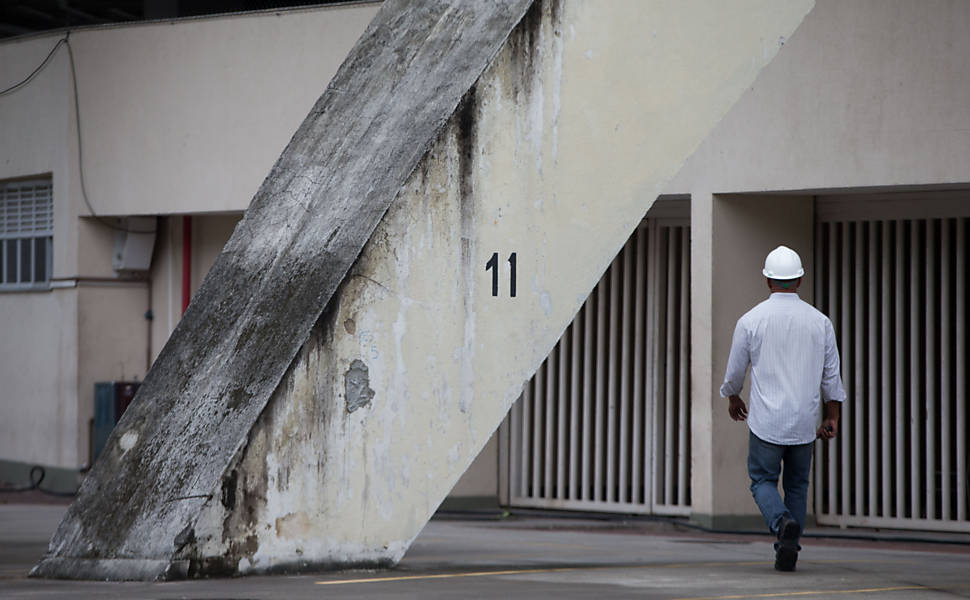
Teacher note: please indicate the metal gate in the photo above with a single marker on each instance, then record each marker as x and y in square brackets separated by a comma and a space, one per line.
[604, 425]
[896, 291]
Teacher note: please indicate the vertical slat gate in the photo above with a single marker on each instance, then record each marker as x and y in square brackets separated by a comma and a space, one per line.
[603, 425]
[638, 370]
[896, 292]
[830, 449]
[900, 366]
[885, 402]
[845, 343]
[915, 510]
[820, 244]
[961, 362]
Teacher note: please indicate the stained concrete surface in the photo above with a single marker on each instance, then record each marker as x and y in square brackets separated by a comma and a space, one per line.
[533, 557]
[136, 514]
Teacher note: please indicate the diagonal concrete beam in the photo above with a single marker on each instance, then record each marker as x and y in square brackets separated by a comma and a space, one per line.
[302, 232]
[305, 417]
[554, 154]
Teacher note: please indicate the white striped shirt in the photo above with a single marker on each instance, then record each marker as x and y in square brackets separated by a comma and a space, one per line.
[794, 362]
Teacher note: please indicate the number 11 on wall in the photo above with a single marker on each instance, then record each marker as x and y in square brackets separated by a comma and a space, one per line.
[492, 265]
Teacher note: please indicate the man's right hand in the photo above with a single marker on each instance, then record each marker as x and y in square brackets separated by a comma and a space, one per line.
[828, 430]
[830, 421]
[737, 409]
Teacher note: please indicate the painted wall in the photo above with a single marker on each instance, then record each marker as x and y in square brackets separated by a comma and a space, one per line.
[337, 474]
[189, 116]
[112, 344]
[38, 368]
[479, 483]
[166, 276]
[209, 234]
[37, 131]
[864, 93]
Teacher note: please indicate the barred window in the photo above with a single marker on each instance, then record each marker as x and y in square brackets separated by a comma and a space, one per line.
[26, 234]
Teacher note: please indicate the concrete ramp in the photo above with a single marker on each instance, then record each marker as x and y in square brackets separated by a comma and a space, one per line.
[348, 356]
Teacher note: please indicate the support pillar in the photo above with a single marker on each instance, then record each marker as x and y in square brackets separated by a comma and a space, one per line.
[732, 234]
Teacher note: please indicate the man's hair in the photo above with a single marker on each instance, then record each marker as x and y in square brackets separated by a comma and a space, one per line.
[784, 283]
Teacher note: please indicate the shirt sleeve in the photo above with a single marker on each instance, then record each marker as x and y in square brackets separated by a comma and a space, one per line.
[832, 389]
[737, 364]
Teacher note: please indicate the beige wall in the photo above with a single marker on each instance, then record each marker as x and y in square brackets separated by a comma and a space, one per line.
[731, 235]
[37, 125]
[112, 344]
[210, 232]
[38, 377]
[166, 276]
[864, 93]
[38, 349]
[190, 117]
[481, 478]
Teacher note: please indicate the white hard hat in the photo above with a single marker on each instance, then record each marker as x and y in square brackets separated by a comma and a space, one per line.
[783, 263]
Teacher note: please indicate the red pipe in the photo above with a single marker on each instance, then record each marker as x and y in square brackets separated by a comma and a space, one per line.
[186, 261]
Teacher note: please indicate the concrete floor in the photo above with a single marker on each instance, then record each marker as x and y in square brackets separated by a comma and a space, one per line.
[534, 557]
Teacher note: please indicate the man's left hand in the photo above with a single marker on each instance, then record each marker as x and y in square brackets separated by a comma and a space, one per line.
[737, 409]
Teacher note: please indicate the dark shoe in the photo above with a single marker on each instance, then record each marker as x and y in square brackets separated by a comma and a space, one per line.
[786, 550]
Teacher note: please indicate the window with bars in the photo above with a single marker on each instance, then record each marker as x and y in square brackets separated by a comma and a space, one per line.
[26, 234]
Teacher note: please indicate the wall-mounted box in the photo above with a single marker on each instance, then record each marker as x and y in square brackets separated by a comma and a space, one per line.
[133, 246]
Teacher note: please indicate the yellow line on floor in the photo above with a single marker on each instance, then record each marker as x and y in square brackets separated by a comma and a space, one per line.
[532, 571]
[810, 593]
[606, 568]
[447, 575]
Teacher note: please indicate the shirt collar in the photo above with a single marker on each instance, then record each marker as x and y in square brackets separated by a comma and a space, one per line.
[784, 295]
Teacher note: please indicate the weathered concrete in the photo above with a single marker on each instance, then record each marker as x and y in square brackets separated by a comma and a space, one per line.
[224, 467]
[537, 160]
[137, 509]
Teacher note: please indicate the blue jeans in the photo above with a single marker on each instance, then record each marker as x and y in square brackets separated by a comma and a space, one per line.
[764, 466]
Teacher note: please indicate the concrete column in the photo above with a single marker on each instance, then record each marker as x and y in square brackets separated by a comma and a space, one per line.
[701, 309]
[732, 234]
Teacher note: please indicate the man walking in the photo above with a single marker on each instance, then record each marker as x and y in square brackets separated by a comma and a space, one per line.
[794, 368]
